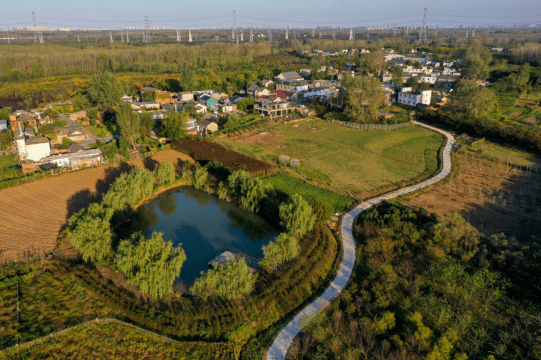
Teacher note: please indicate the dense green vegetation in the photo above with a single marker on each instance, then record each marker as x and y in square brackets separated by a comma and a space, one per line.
[425, 288]
[9, 167]
[118, 341]
[59, 294]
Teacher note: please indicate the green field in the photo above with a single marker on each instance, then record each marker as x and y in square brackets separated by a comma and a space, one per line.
[117, 341]
[349, 160]
[291, 185]
[9, 167]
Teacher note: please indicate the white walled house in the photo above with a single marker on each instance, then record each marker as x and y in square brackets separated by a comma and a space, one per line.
[77, 160]
[37, 149]
[428, 79]
[412, 98]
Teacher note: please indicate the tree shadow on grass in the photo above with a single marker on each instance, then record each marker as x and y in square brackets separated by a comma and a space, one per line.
[150, 164]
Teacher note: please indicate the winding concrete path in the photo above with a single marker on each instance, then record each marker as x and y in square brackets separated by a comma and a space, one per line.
[279, 347]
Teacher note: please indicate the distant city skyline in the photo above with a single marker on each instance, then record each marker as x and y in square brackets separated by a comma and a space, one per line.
[279, 13]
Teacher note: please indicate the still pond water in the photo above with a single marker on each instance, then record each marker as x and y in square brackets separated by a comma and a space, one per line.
[205, 226]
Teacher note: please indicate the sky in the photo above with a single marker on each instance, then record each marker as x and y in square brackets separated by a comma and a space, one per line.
[276, 13]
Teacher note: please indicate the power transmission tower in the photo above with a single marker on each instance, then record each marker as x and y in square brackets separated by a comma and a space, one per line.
[39, 37]
[313, 33]
[127, 38]
[110, 37]
[78, 40]
[350, 34]
[286, 34]
[241, 36]
[190, 36]
[121, 36]
[422, 31]
[147, 36]
[251, 36]
[178, 36]
[234, 24]
[237, 39]
[467, 33]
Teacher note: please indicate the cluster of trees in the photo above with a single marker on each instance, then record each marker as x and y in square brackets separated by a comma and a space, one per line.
[363, 98]
[150, 264]
[425, 288]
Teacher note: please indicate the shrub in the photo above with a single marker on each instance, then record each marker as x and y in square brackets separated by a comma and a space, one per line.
[276, 253]
[165, 173]
[91, 234]
[322, 211]
[296, 216]
[231, 281]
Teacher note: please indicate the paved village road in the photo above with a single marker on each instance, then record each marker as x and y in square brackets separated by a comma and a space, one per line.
[279, 347]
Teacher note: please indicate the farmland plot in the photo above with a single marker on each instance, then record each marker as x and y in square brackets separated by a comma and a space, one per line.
[33, 214]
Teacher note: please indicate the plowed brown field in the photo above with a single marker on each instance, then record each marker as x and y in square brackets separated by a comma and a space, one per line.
[32, 215]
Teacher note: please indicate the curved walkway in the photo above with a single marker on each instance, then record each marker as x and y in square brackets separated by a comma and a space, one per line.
[279, 347]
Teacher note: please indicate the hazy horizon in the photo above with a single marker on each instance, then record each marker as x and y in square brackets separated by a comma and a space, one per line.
[213, 13]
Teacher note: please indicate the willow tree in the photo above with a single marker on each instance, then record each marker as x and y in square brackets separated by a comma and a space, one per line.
[128, 189]
[231, 281]
[297, 216]
[276, 253]
[90, 232]
[165, 173]
[151, 264]
[249, 191]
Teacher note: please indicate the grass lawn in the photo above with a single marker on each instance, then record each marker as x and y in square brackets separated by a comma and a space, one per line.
[348, 160]
[9, 167]
[98, 130]
[506, 154]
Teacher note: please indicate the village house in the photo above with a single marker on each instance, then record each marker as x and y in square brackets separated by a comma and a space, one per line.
[77, 159]
[227, 107]
[305, 72]
[428, 79]
[22, 118]
[294, 88]
[36, 149]
[273, 107]
[204, 127]
[208, 100]
[185, 96]
[79, 115]
[3, 125]
[145, 105]
[288, 76]
[267, 83]
[411, 98]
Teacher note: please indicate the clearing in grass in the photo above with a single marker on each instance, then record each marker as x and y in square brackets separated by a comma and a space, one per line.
[351, 161]
[291, 185]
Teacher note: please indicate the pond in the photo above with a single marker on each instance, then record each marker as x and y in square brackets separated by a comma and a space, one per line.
[205, 226]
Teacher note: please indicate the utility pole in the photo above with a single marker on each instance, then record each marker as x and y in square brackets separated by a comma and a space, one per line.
[241, 36]
[350, 34]
[39, 37]
[110, 37]
[189, 36]
[251, 36]
[286, 34]
[127, 38]
[234, 24]
[121, 36]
